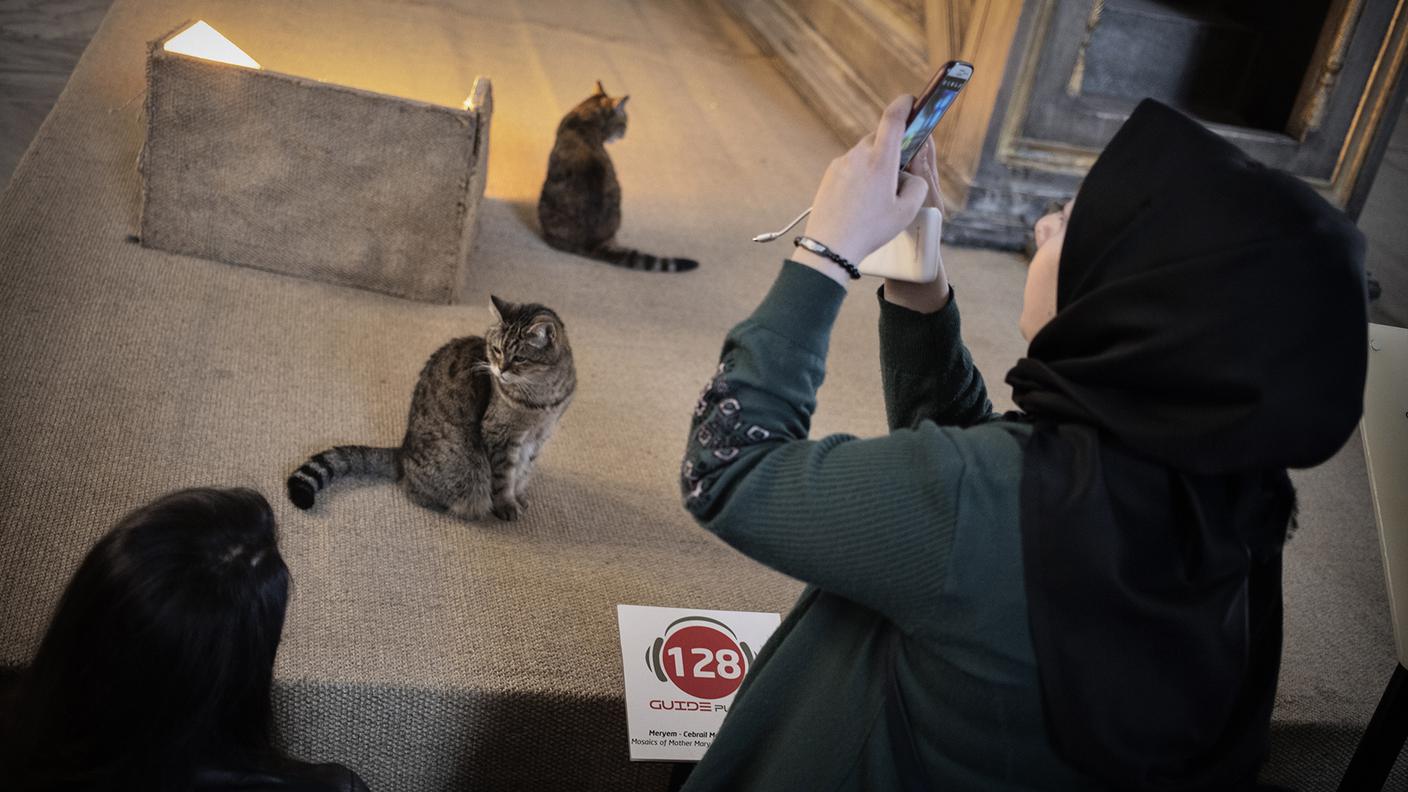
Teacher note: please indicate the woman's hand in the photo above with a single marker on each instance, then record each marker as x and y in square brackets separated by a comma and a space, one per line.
[923, 297]
[864, 200]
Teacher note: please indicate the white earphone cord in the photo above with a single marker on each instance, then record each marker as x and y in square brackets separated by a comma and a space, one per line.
[775, 234]
[768, 237]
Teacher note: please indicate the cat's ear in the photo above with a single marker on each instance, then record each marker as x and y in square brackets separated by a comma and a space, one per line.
[621, 103]
[542, 333]
[499, 307]
[600, 89]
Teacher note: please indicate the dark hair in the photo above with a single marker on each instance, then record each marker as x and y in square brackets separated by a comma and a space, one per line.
[160, 654]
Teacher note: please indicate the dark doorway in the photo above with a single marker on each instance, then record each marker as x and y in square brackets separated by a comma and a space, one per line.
[1238, 62]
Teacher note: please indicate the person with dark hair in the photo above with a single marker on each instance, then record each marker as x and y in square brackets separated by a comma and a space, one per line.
[1085, 594]
[155, 672]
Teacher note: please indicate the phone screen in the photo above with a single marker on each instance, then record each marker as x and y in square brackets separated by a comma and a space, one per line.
[935, 103]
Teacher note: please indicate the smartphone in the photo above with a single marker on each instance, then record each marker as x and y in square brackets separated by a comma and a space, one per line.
[931, 106]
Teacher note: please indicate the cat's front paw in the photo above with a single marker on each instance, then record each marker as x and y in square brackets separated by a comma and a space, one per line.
[508, 511]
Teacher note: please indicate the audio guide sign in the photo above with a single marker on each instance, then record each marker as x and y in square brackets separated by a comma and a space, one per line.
[682, 669]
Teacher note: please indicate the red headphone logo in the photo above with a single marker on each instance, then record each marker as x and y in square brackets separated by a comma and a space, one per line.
[700, 656]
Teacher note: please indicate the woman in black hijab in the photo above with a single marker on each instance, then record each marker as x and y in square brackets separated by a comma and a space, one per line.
[1209, 331]
[1083, 595]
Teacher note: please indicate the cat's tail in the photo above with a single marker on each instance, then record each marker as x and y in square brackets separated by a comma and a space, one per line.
[321, 468]
[636, 260]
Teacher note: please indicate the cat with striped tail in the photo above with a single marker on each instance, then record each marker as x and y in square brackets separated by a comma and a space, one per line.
[579, 210]
[482, 410]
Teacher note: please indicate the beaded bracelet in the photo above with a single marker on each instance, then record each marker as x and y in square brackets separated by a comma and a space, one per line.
[816, 247]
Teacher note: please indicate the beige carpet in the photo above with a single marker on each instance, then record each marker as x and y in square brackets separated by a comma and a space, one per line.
[432, 654]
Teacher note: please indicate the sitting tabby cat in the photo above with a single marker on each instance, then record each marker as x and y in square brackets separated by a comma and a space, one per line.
[481, 412]
[580, 206]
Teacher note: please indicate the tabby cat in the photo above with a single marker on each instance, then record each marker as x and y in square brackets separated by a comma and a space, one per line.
[579, 210]
[482, 410]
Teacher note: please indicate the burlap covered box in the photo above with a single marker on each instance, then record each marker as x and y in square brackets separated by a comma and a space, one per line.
[253, 167]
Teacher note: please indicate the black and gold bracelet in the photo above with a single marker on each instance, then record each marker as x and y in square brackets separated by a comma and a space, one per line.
[807, 243]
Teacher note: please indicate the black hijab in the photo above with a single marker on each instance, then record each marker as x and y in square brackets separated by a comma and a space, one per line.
[1210, 332]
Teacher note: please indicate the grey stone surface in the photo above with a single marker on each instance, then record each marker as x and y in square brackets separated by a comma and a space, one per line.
[40, 41]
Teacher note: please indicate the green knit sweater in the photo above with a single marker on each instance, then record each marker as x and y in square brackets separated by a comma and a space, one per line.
[915, 532]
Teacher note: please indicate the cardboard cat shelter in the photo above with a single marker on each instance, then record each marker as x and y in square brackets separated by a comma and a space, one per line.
[267, 170]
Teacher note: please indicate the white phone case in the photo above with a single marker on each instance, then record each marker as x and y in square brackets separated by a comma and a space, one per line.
[914, 254]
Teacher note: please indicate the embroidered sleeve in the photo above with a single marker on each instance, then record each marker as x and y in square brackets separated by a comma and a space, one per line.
[764, 390]
[716, 419]
[869, 519]
[744, 411]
